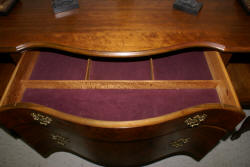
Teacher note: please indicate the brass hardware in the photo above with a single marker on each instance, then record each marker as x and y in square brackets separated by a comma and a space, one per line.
[43, 120]
[180, 142]
[196, 120]
[59, 139]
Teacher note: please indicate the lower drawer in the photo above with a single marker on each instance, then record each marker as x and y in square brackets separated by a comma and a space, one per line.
[194, 142]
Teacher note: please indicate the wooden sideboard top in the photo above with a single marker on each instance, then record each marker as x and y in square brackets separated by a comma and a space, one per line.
[125, 25]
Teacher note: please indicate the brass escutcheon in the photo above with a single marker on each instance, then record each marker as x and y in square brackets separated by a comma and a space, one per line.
[59, 139]
[196, 120]
[180, 142]
[43, 120]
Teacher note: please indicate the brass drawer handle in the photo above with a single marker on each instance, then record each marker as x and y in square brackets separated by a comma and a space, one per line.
[43, 120]
[59, 139]
[180, 142]
[196, 120]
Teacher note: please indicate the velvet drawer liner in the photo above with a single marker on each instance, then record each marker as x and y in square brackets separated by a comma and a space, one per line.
[119, 105]
[53, 66]
[184, 66]
[118, 70]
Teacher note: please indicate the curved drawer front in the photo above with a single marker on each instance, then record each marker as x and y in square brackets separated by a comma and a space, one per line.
[119, 146]
[195, 142]
[125, 131]
[223, 118]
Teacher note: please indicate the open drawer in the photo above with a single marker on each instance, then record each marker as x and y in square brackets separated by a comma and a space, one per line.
[113, 111]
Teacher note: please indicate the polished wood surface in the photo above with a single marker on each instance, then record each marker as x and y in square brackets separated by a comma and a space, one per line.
[123, 28]
[120, 143]
[131, 25]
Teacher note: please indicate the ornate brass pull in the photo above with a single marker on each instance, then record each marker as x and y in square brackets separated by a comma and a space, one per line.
[180, 142]
[196, 120]
[43, 120]
[59, 139]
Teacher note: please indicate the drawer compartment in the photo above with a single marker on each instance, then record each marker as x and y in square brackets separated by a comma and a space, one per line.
[184, 66]
[52, 66]
[144, 105]
[120, 105]
[119, 70]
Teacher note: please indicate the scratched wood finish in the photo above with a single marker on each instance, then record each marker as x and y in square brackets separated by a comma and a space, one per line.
[130, 25]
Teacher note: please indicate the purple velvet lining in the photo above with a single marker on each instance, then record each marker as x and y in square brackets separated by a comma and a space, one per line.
[137, 70]
[53, 66]
[184, 66]
[119, 105]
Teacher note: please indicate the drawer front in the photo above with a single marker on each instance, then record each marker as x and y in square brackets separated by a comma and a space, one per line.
[225, 119]
[36, 129]
[113, 147]
[195, 142]
[19, 117]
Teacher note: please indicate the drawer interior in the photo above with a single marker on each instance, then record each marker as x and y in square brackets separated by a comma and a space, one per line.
[52, 66]
[120, 89]
[183, 66]
[120, 104]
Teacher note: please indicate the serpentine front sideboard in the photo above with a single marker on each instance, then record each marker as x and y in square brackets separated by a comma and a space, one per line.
[121, 83]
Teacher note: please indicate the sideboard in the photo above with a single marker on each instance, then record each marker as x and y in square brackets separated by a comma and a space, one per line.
[145, 35]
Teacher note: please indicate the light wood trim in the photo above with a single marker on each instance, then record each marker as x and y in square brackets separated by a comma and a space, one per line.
[103, 84]
[88, 69]
[152, 69]
[14, 90]
[225, 89]
[122, 124]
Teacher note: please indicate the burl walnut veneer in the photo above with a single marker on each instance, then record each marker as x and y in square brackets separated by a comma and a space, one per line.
[121, 111]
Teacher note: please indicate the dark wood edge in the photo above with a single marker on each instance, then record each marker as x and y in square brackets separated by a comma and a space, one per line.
[6, 6]
[113, 54]
[122, 124]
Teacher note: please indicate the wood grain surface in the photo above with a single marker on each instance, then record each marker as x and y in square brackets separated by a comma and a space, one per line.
[131, 25]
